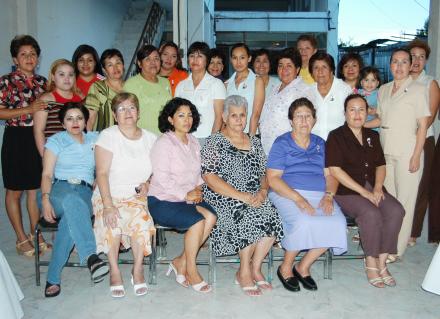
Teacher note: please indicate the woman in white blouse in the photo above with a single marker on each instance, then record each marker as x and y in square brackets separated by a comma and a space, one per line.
[274, 121]
[245, 83]
[329, 92]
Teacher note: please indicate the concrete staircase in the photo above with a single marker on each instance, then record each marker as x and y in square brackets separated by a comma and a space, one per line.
[132, 26]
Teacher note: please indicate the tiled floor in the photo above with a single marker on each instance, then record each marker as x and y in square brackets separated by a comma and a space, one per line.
[348, 295]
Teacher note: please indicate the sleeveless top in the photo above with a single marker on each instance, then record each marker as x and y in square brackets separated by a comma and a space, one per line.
[245, 89]
[53, 124]
[426, 80]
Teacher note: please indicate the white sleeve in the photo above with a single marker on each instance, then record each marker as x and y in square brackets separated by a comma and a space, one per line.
[218, 90]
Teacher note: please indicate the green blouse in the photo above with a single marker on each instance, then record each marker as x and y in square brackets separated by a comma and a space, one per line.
[99, 99]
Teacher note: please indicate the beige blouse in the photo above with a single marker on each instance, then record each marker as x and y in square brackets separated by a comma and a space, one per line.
[399, 113]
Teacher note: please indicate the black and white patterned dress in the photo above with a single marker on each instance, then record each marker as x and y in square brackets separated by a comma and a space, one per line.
[238, 224]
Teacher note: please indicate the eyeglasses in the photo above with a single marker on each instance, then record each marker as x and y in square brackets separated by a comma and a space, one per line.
[302, 117]
[123, 109]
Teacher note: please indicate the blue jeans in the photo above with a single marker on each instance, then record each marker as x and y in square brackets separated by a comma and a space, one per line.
[73, 207]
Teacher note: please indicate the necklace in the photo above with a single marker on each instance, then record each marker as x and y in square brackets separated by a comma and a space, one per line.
[135, 136]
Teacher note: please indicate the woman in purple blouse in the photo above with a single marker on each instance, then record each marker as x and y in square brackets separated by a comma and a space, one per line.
[175, 194]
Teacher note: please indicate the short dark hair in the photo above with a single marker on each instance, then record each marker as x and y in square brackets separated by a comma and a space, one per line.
[302, 101]
[292, 54]
[170, 108]
[108, 54]
[322, 56]
[200, 47]
[344, 60]
[21, 40]
[402, 49]
[86, 49]
[308, 37]
[73, 105]
[143, 52]
[352, 97]
[367, 70]
[241, 45]
[417, 43]
[260, 52]
[216, 53]
[173, 45]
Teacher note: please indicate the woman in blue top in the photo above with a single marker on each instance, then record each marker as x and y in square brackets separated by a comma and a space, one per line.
[303, 191]
[66, 187]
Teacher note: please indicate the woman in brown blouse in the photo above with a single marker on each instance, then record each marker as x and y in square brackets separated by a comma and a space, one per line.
[355, 158]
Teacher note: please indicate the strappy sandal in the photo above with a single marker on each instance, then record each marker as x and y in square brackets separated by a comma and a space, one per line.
[21, 251]
[98, 268]
[376, 282]
[43, 245]
[387, 280]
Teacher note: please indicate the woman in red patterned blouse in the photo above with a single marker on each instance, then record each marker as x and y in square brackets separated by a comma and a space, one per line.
[21, 163]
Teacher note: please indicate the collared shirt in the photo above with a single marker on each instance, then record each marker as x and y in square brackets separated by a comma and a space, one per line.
[358, 160]
[274, 119]
[245, 89]
[203, 96]
[152, 97]
[176, 167]
[399, 113]
[18, 91]
[330, 109]
[74, 160]
[426, 80]
[303, 169]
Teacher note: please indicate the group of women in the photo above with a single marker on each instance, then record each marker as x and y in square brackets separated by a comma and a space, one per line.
[247, 162]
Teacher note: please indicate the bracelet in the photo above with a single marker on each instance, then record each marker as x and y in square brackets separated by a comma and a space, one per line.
[330, 194]
[48, 194]
[108, 207]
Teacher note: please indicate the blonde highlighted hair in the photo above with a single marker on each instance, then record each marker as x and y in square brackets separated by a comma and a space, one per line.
[51, 78]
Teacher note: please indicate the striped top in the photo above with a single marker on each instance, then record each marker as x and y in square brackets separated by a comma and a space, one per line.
[53, 124]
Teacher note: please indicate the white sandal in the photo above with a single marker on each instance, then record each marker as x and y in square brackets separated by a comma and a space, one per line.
[180, 279]
[137, 287]
[198, 287]
[113, 289]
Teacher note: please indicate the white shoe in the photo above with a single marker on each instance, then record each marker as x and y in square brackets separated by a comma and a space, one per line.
[137, 287]
[180, 279]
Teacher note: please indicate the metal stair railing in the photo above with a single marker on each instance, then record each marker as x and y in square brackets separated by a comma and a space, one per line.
[147, 36]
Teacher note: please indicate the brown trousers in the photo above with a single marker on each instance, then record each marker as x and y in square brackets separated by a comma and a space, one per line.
[378, 226]
[434, 199]
[424, 189]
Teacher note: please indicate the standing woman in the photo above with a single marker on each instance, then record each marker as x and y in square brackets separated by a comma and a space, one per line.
[205, 91]
[403, 115]
[21, 163]
[171, 65]
[102, 92]
[307, 46]
[330, 94]
[87, 68]
[61, 89]
[420, 53]
[245, 83]
[273, 121]
[216, 63]
[152, 91]
[261, 65]
[349, 69]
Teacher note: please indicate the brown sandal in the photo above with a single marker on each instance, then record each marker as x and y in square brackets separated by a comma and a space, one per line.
[21, 251]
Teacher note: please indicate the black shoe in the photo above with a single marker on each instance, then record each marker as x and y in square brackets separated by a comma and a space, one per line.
[98, 268]
[290, 283]
[307, 281]
[50, 295]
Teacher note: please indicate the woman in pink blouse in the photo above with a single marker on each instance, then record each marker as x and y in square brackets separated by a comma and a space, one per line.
[175, 194]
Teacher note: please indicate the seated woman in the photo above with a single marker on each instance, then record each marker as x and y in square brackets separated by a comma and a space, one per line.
[123, 168]
[355, 158]
[233, 167]
[302, 191]
[175, 195]
[66, 187]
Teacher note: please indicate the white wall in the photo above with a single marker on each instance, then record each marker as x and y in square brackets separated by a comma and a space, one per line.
[60, 26]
